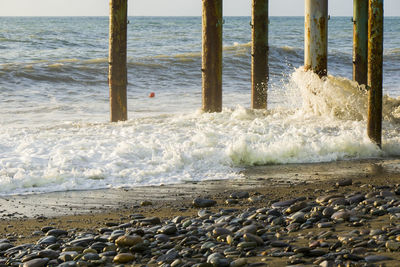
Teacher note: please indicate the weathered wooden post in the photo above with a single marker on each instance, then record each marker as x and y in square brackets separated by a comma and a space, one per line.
[360, 41]
[375, 62]
[316, 36]
[259, 54]
[117, 73]
[212, 55]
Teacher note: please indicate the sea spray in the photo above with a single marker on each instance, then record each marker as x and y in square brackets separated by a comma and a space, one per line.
[327, 125]
[54, 133]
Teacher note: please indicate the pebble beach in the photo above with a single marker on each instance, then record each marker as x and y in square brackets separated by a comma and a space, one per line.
[350, 220]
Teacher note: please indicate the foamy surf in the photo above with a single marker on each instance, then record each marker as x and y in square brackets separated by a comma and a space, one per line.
[326, 122]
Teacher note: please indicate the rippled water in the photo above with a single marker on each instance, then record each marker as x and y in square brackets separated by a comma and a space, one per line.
[55, 133]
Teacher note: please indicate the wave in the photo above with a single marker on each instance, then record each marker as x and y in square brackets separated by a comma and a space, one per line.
[236, 57]
[325, 123]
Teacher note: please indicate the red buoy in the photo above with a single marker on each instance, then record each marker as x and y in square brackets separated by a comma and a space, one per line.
[152, 94]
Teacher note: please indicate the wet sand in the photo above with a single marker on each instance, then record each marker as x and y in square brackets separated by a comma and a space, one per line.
[21, 216]
[254, 179]
[23, 213]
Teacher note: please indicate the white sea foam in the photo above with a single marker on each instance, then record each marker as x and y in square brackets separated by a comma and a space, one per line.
[326, 122]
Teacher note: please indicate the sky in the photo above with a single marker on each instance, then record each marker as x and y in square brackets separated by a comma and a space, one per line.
[171, 7]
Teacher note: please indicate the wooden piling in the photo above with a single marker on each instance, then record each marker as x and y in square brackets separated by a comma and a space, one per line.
[117, 72]
[316, 36]
[360, 41]
[212, 55]
[375, 62]
[259, 54]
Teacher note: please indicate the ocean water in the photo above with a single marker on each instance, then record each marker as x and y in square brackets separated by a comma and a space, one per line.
[55, 132]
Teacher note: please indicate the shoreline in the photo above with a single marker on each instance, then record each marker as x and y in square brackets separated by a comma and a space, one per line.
[89, 211]
[62, 203]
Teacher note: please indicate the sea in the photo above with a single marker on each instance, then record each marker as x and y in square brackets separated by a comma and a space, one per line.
[55, 133]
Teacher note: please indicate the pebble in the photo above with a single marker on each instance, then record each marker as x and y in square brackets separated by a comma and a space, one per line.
[285, 203]
[227, 237]
[56, 232]
[203, 202]
[239, 195]
[127, 240]
[36, 262]
[253, 238]
[123, 258]
[392, 245]
[376, 258]
[344, 182]
[341, 215]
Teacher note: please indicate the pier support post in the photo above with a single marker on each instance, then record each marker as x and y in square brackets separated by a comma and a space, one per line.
[360, 41]
[212, 55]
[117, 72]
[375, 62]
[316, 36]
[259, 54]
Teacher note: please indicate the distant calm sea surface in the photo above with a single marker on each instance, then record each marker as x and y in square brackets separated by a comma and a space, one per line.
[55, 132]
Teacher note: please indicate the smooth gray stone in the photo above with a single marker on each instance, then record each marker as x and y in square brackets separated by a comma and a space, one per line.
[327, 263]
[5, 246]
[203, 202]
[216, 259]
[68, 264]
[253, 238]
[203, 214]
[162, 238]
[376, 258]
[378, 212]
[296, 207]
[376, 232]
[57, 232]
[90, 257]
[303, 250]
[47, 240]
[108, 254]
[36, 262]
[344, 182]
[328, 211]
[387, 193]
[393, 210]
[239, 262]
[84, 242]
[169, 257]
[221, 231]
[178, 219]
[151, 220]
[286, 203]
[45, 229]
[48, 253]
[274, 212]
[325, 225]
[341, 215]
[281, 254]
[168, 229]
[247, 245]
[207, 245]
[356, 199]
[252, 229]
[239, 195]
[298, 217]
[326, 198]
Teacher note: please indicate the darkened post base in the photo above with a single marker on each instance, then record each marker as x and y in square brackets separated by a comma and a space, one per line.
[375, 62]
[360, 41]
[259, 55]
[117, 73]
[212, 55]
